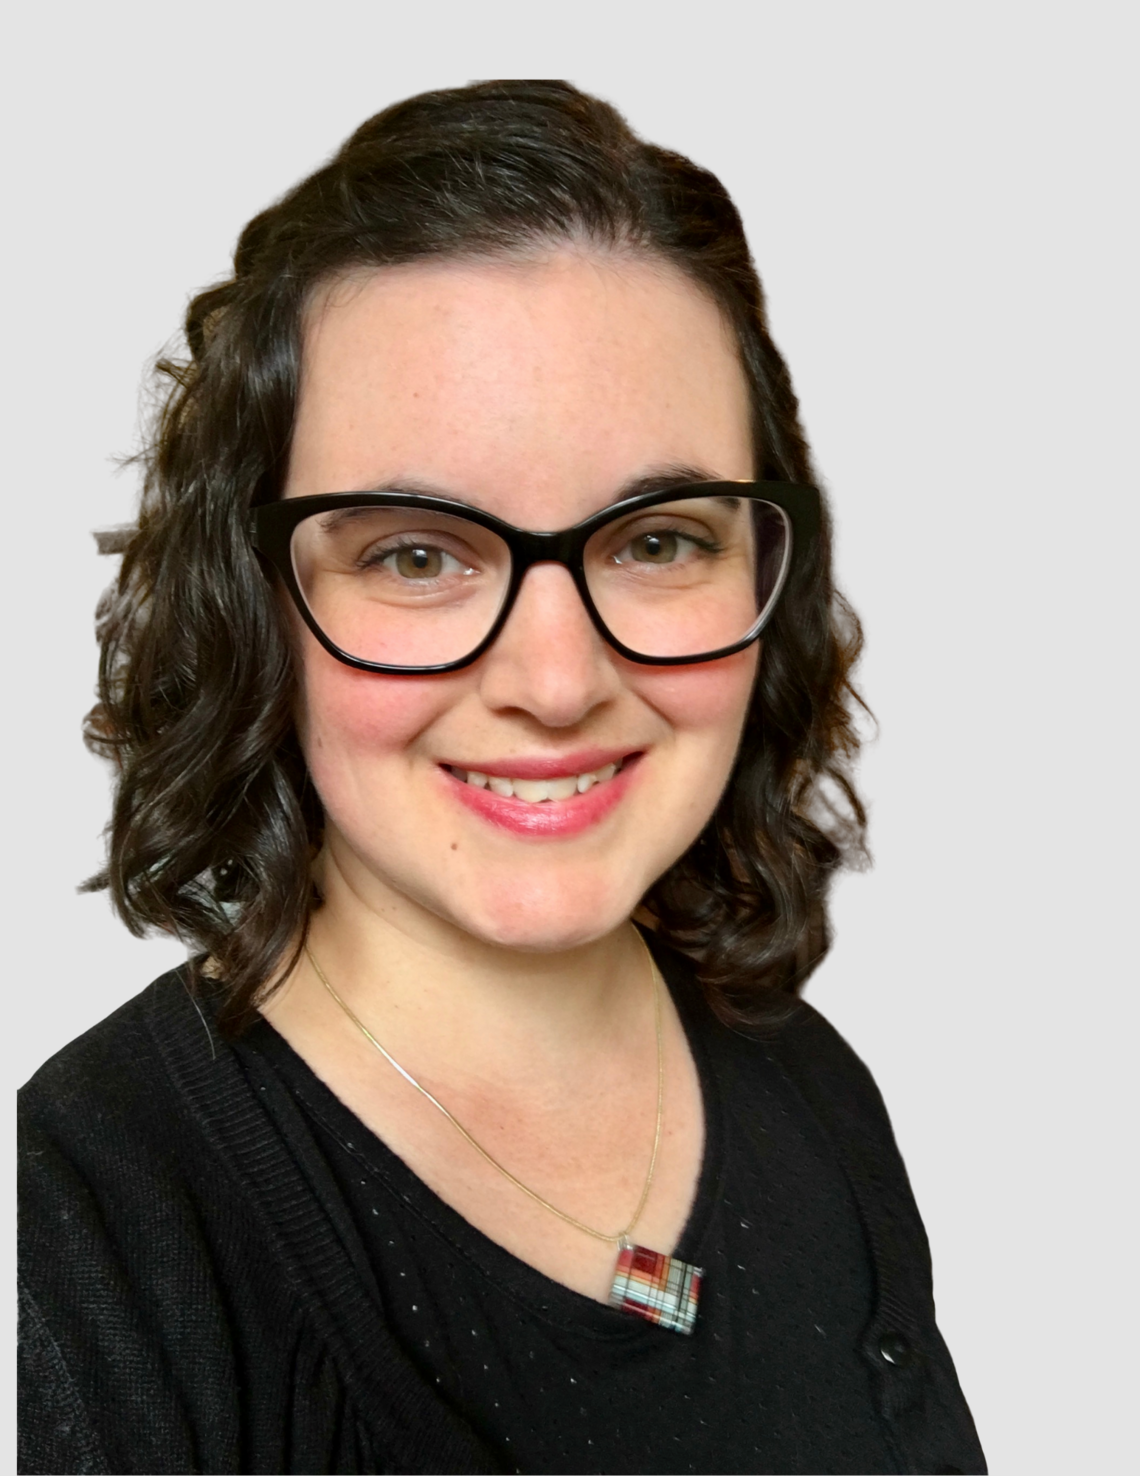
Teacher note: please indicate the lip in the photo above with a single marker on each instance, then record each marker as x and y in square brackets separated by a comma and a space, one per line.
[551, 818]
[546, 766]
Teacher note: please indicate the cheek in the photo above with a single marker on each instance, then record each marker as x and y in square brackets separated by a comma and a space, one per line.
[348, 717]
[706, 703]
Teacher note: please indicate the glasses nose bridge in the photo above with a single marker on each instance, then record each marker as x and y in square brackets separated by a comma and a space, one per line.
[564, 547]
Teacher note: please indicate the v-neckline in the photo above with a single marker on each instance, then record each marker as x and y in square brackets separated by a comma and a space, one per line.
[544, 1295]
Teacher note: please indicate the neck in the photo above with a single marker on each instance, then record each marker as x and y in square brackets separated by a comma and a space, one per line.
[464, 1002]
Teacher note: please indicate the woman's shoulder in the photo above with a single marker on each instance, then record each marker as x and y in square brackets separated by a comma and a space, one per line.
[797, 1050]
[114, 1123]
[791, 1034]
[825, 1067]
[108, 1134]
[116, 1202]
[112, 1075]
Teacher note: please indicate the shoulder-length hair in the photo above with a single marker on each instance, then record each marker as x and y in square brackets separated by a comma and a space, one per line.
[215, 821]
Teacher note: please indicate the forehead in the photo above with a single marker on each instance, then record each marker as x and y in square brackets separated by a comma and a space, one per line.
[532, 387]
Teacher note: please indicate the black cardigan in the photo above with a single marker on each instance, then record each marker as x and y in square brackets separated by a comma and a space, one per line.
[194, 1296]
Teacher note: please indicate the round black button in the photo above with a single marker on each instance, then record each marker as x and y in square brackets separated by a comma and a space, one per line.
[895, 1349]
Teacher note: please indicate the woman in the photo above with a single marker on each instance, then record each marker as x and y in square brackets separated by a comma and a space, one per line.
[480, 703]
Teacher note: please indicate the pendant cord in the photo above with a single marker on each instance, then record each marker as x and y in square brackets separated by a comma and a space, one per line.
[622, 1236]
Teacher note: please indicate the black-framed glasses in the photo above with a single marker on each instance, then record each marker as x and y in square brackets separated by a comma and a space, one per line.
[403, 583]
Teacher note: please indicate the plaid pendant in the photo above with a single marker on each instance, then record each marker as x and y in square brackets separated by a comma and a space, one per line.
[657, 1287]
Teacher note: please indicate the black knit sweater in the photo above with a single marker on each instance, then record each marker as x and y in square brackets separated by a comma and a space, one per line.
[195, 1295]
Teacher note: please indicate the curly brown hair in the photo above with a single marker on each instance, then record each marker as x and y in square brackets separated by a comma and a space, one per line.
[215, 821]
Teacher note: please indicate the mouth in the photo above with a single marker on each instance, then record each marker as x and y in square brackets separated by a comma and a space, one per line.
[552, 798]
[541, 791]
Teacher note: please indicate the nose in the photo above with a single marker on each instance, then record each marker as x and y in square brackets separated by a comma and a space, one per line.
[549, 661]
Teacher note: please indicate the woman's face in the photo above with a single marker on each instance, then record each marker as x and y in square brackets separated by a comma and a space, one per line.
[536, 390]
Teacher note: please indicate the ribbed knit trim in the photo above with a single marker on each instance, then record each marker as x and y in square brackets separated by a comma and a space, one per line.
[319, 1251]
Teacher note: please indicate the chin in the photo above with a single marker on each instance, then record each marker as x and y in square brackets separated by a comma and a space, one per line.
[531, 920]
[529, 937]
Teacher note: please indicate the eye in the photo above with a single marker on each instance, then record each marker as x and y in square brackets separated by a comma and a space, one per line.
[655, 548]
[417, 562]
[662, 546]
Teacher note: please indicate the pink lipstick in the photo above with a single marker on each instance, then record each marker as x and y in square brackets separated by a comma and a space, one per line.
[548, 818]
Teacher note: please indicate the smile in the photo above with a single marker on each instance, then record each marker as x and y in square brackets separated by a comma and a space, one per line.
[545, 802]
[538, 791]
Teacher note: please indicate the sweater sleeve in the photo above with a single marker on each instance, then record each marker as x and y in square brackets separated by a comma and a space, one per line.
[55, 1433]
[109, 1266]
[910, 1365]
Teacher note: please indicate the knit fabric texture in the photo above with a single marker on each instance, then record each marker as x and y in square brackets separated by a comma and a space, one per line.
[197, 1293]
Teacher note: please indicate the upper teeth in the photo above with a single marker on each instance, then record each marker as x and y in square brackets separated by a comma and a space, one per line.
[535, 790]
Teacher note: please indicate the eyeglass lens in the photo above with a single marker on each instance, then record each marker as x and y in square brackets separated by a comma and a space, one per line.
[404, 587]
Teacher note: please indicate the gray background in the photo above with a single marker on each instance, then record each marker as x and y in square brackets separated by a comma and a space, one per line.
[937, 197]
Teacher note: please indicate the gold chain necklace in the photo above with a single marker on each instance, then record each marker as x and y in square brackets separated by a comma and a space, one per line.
[621, 1237]
[658, 1287]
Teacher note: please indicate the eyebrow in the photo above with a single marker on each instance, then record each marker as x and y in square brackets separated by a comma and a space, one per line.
[665, 479]
[658, 480]
[331, 521]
